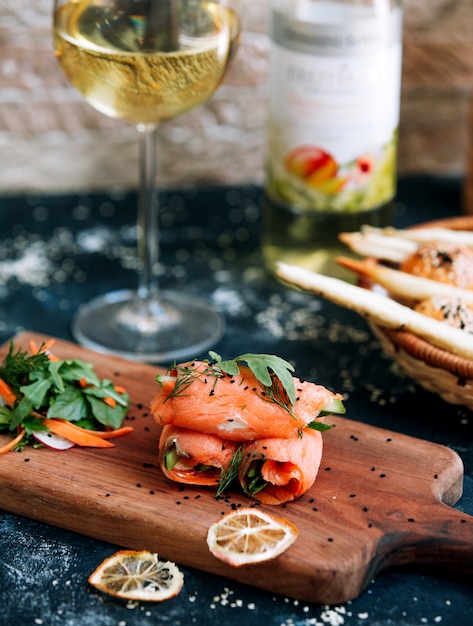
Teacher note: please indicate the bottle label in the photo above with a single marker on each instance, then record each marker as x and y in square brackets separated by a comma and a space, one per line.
[334, 111]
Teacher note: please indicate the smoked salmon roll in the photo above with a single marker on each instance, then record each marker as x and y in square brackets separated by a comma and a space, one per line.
[198, 396]
[187, 456]
[275, 471]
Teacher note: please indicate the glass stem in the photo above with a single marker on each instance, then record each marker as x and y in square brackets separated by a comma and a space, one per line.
[148, 218]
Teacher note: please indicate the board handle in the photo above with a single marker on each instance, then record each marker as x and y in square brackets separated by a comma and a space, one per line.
[442, 537]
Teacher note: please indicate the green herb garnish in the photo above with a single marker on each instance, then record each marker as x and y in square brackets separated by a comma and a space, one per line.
[272, 372]
[254, 480]
[262, 366]
[45, 387]
[229, 472]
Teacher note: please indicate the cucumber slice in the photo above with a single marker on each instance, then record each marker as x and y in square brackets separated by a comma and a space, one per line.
[335, 406]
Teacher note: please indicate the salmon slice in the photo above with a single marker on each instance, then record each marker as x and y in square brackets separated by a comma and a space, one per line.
[194, 458]
[236, 408]
[275, 471]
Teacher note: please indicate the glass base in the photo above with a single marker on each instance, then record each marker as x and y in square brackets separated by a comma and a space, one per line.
[175, 326]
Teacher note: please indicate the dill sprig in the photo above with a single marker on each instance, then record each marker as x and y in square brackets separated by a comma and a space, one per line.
[229, 472]
[17, 366]
[184, 375]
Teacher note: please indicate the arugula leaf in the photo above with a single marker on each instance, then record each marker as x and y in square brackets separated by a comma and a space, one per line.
[261, 365]
[37, 391]
[5, 417]
[69, 405]
[107, 415]
[20, 412]
[105, 389]
[73, 370]
[67, 389]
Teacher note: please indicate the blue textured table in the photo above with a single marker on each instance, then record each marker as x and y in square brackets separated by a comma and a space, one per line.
[57, 252]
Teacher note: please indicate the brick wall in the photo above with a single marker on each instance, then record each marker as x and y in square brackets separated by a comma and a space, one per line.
[51, 139]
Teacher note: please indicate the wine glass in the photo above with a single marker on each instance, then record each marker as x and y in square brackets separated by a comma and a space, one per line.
[145, 61]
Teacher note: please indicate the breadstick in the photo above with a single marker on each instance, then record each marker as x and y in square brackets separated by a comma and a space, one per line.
[402, 284]
[391, 244]
[379, 309]
[422, 235]
[379, 246]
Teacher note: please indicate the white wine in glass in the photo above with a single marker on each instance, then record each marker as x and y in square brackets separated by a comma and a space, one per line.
[145, 61]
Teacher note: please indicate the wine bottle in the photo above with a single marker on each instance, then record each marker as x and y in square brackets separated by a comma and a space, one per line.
[334, 100]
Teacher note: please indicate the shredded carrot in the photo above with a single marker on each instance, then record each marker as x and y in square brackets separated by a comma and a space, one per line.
[119, 389]
[6, 393]
[34, 349]
[102, 434]
[111, 402]
[74, 433]
[82, 383]
[11, 444]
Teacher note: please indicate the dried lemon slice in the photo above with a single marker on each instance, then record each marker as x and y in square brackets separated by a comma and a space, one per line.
[137, 576]
[250, 536]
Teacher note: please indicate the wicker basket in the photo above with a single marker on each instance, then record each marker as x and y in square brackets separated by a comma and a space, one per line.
[435, 369]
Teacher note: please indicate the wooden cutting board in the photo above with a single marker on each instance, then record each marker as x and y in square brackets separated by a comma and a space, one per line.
[381, 499]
